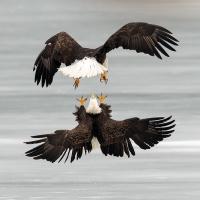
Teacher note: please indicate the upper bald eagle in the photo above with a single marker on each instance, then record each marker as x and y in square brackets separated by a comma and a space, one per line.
[95, 122]
[84, 62]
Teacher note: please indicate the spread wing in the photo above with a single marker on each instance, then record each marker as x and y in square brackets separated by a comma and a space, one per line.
[145, 133]
[61, 48]
[142, 37]
[63, 143]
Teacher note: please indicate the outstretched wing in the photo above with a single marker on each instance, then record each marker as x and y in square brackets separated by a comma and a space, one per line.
[55, 146]
[142, 37]
[61, 48]
[145, 133]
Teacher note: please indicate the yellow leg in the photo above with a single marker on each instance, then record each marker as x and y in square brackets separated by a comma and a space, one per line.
[76, 82]
[104, 77]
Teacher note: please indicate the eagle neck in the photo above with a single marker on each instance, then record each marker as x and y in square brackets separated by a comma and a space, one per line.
[93, 107]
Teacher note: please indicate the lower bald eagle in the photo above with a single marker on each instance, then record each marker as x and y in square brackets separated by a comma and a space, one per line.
[113, 136]
[85, 62]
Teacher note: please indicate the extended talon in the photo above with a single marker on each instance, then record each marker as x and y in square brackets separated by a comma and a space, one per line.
[102, 98]
[104, 77]
[76, 82]
[82, 101]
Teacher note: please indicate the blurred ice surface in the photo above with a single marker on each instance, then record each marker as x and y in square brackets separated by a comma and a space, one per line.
[139, 85]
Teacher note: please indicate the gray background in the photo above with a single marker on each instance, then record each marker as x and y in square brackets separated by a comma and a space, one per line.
[139, 85]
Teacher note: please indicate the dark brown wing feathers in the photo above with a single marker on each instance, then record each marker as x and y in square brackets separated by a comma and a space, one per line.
[148, 132]
[55, 146]
[142, 37]
[61, 48]
[144, 132]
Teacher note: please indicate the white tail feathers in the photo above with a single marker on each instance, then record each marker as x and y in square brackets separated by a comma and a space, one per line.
[87, 67]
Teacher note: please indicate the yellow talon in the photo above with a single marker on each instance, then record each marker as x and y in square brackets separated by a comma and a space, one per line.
[104, 77]
[102, 98]
[82, 101]
[76, 82]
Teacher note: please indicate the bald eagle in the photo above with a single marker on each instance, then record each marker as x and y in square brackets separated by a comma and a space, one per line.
[84, 62]
[113, 136]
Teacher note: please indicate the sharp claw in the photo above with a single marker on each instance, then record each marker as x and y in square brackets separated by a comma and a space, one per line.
[82, 100]
[102, 98]
[104, 80]
[104, 77]
[76, 82]
[74, 85]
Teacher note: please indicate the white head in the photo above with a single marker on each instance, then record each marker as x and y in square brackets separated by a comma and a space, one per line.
[93, 106]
